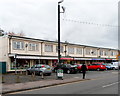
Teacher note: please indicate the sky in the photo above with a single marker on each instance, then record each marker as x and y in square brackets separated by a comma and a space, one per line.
[85, 22]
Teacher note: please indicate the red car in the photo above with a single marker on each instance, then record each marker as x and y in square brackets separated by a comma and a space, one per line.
[96, 66]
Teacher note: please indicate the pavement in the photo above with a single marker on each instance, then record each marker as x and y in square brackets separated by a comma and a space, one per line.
[15, 87]
[9, 88]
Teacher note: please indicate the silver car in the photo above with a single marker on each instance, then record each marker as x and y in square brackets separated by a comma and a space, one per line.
[40, 69]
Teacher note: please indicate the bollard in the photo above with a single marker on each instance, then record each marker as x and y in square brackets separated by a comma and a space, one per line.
[18, 79]
[3, 79]
[42, 75]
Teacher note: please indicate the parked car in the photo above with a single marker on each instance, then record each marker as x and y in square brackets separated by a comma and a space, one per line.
[114, 65]
[97, 66]
[67, 68]
[108, 66]
[39, 69]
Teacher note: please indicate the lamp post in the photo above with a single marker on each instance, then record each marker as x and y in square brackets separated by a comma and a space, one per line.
[59, 71]
[59, 30]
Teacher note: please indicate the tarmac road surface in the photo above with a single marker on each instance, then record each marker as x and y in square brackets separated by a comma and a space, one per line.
[107, 83]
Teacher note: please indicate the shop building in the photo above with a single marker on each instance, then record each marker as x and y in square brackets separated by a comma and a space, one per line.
[23, 52]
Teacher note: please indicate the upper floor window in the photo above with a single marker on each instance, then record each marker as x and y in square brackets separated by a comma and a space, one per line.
[18, 45]
[88, 51]
[79, 51]
[61, 49]
[33, 47]
[113, 53]
[105, 53]
[93, 52]
[101, 52]
[70, 50]
[48, 48]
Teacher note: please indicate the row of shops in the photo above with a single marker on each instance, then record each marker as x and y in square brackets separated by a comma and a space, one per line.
[23, 62]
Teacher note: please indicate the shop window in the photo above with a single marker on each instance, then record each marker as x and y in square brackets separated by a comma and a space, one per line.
[20, 64]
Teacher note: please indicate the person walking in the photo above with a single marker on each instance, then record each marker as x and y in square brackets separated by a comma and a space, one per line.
[83, 68]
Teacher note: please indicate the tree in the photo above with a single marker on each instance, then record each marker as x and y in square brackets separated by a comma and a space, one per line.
[1, 32]
[16, 34]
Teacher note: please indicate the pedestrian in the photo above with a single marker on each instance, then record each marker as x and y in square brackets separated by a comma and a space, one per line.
[83, 68]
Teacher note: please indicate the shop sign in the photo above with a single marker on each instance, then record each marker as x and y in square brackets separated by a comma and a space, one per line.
[82, 59]
[66, 58]
[97, 59]
[60, 73]
[108, 59]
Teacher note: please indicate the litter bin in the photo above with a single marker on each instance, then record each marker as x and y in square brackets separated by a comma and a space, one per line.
[2, 67]
[60, 74]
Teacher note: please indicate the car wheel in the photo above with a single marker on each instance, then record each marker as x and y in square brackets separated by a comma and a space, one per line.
[40, 73]
[113, 68]
[68, 71]
[49, 74]
[98, 69]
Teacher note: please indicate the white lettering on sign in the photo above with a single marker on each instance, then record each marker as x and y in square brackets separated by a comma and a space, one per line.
[60, 74]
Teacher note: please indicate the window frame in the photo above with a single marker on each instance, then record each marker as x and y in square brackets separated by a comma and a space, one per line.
[50, 48]
[18, 45]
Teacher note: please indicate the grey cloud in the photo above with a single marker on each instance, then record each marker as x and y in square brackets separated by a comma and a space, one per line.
[38, 19]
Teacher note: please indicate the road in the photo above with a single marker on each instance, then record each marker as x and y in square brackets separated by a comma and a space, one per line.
[102, 82]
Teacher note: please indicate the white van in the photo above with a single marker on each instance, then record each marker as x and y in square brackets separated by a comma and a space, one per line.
[114, 65]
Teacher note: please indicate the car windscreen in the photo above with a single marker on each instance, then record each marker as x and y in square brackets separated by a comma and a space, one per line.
[47, 66]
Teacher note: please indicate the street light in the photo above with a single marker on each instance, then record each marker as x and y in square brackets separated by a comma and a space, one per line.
[59, 56]
[59, 30]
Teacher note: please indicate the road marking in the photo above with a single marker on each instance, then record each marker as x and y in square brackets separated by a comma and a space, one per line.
[76, 77]
[115, 72]
[109, 84]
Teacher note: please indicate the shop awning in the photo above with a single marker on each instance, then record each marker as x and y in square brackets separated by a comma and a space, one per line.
[31, 57]
[27, 57]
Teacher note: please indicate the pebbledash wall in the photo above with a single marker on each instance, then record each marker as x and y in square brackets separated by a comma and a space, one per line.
[23, 52]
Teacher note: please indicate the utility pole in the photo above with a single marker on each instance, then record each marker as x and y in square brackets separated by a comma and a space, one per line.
[58, 33]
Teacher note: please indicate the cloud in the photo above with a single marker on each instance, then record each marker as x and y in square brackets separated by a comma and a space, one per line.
[38, 19]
